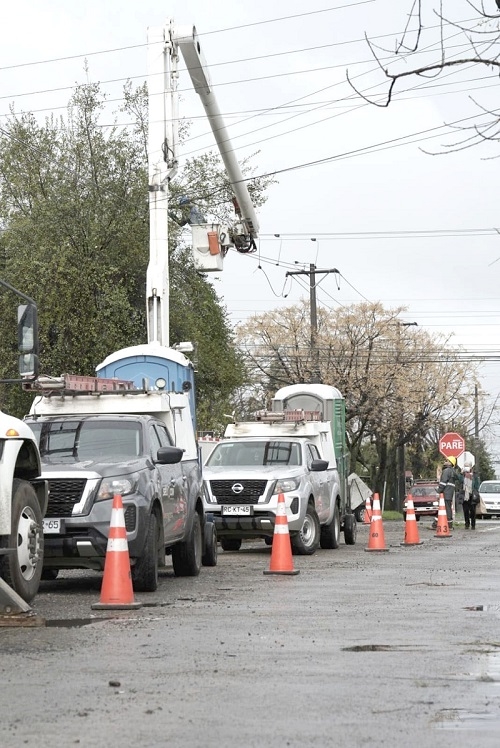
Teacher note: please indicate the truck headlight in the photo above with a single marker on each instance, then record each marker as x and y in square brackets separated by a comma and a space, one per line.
[120, 485]
[286, 484]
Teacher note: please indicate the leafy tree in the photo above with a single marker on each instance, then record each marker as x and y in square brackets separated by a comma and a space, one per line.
[74, 216]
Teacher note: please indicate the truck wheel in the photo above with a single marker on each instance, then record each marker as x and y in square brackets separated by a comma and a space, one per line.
[306, 541]
[359, 513]
[330, 534]
[209, 558]
[186, 556]
[350, 529]
[145, 571]
[22, 569]
[230, 544]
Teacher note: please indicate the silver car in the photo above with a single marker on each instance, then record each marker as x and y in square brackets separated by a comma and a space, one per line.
[489, 491]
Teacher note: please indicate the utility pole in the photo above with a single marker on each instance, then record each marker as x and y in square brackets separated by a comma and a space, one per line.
[316, 374]
[476, 412]
[400, 449]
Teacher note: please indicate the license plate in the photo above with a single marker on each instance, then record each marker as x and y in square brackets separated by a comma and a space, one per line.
[52, 526]
[237, 511]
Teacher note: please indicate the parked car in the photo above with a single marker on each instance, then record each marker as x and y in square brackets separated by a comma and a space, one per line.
[425, 499]
[489, 490]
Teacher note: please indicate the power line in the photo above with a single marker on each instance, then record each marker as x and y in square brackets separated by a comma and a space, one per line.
[201, 34]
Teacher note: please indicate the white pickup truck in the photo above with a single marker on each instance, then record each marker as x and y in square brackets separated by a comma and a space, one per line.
[290, 450]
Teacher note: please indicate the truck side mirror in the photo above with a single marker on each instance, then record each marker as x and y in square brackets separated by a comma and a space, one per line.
[27, 340]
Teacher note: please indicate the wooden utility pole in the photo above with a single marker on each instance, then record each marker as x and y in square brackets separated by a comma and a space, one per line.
[313, 270]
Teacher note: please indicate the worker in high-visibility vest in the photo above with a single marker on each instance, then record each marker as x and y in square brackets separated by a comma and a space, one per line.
[447, 486]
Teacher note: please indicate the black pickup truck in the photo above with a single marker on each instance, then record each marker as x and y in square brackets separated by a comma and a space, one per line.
[87, 459]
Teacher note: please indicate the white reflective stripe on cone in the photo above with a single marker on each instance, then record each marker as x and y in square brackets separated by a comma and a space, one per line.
[117, 544]
[117, 518]
[281, 529]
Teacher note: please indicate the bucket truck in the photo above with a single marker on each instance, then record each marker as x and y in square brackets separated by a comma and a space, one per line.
[156, 360]
[145, 389]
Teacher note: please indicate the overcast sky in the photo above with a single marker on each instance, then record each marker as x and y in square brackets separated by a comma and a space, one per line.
[401, 226]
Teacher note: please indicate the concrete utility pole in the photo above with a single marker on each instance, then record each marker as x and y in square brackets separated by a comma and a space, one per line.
[162, 167]
[400, 452]
[313, 270]
[476, 412]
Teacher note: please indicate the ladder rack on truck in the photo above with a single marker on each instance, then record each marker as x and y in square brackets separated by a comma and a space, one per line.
[75, 384]
[288, 416]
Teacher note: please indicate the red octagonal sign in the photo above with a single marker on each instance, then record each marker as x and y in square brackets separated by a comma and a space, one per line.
[452, 444]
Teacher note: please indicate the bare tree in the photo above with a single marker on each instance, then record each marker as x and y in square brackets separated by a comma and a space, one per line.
[455, 44]
[400, 383]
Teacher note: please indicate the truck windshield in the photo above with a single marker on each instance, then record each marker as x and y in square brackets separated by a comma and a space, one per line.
[72, 440]
[248, 454]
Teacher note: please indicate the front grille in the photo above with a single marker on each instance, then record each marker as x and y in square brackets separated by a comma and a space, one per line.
[423, 505]
[64, 493]
[252, 490]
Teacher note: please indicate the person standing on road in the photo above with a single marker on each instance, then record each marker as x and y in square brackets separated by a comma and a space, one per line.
[471, 496]
[447, 486]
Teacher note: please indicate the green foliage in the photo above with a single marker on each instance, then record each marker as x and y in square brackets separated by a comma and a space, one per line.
[74, 215]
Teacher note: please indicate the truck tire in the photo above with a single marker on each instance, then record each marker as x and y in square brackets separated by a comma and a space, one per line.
[306, 541]
[230, 544]
[145, 570]
[359, 513]
[22, 569]
[350, 529]
[209, 557]
[330, 534]
[186, 556]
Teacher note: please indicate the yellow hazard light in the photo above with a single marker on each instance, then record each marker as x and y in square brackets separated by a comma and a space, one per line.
[11, 432]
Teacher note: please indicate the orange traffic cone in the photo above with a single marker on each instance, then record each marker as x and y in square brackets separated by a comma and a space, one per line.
[116, 590]
[411, 528]
[442, 530]
[376, 539]
[368, 511]
[281, 551]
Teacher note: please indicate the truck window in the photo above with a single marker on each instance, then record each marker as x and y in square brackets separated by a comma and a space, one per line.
[163, 435]
[312, 453]
[248, 454]
[76, 440]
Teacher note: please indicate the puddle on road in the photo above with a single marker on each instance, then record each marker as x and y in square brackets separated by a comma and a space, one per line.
[477, 721]
[73, 623]
[468, 721]
[486, 608]
[378, 648]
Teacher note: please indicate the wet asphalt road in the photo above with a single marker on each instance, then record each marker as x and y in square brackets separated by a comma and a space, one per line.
[397, 648]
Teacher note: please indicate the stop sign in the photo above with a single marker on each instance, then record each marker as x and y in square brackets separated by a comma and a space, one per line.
[451, 444]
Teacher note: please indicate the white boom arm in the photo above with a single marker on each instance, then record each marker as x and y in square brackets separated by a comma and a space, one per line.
[210, 241]
[189, 44]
